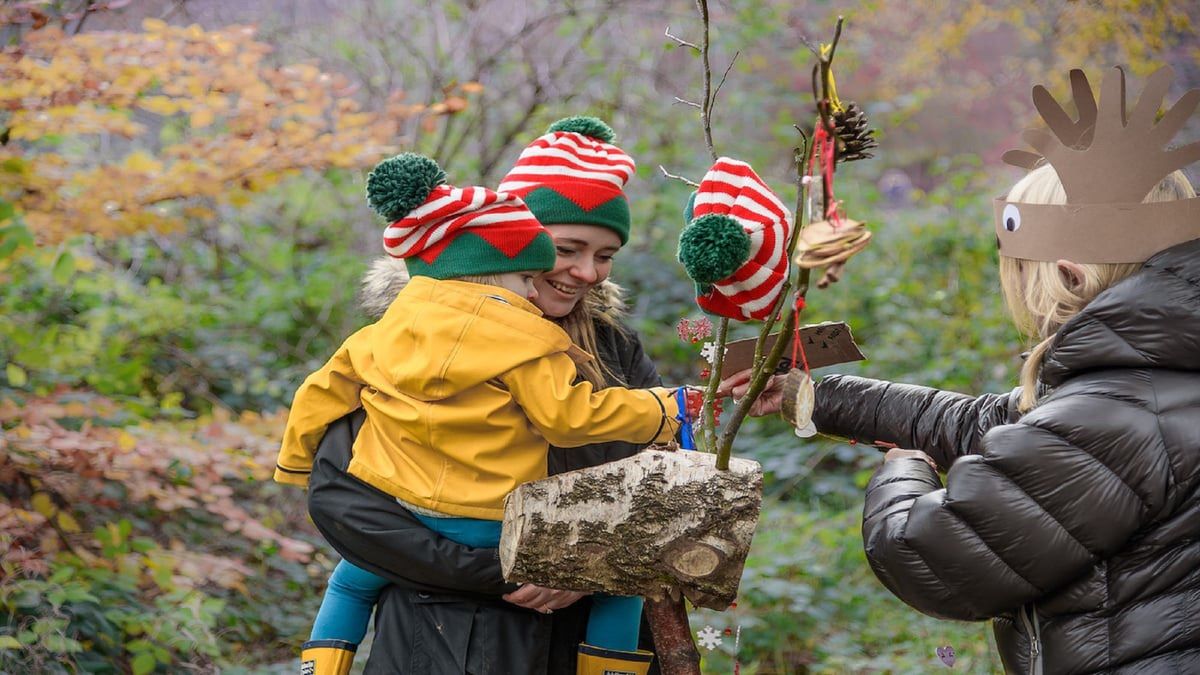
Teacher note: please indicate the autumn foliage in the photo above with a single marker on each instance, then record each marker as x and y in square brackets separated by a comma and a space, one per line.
[139, 530]
[117, 133]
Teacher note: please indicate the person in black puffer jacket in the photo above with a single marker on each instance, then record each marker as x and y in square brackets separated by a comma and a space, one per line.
[1070, 514]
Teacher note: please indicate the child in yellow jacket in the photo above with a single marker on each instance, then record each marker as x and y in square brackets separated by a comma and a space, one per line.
[463, 382]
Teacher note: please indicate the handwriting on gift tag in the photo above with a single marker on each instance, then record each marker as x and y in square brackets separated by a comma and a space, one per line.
[823, 344]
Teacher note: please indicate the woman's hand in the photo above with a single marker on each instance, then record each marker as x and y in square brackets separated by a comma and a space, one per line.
[544, 600]
[904, 453]
[767, 403]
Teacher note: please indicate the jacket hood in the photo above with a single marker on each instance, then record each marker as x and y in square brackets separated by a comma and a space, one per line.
[1149, 320]
[439, 338]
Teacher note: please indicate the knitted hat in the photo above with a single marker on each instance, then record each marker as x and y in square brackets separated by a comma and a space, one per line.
[445, 232]
[574, 175]
[733, 245]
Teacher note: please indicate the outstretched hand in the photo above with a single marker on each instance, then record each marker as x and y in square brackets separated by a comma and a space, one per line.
[767, 403]
[544, 600]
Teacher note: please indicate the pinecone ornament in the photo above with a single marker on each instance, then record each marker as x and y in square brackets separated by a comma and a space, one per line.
[850, 125]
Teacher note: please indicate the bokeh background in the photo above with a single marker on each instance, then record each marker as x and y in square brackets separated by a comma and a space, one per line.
[183, 229]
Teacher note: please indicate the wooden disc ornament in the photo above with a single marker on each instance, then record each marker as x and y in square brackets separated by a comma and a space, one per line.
[824, 243]
[798, 398]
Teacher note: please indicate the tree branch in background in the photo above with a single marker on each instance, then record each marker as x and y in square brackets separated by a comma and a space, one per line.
[667, 174]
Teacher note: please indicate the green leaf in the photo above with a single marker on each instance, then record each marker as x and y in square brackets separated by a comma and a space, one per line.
[61, 575]
[61, 644]
[9, 642]
[16, 375]
[6, 210]
[64, 268]
[27, 637]
[143, 663]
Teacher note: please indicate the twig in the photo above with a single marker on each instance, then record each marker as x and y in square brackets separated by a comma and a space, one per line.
[725, 75]
[681, 43]
[706, 111]
[666, 173]
[708, 415]
[690, 103]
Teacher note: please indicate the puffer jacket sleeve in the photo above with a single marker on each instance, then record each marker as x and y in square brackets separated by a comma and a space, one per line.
[1048, 498]
[571, 414]
[944, 424]
[324, 396]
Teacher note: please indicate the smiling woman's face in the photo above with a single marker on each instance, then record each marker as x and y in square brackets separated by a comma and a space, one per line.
[585, 257]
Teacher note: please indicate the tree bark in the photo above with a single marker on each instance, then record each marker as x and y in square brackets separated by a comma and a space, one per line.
[674, 646]
[655, 524]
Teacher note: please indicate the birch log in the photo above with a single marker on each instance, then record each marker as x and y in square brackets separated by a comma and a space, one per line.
[657, 521]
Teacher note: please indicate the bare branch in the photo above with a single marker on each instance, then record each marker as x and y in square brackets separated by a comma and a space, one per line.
[682, 43]
[722, 82]
[689, 103]
[706, 111]
[666, 173]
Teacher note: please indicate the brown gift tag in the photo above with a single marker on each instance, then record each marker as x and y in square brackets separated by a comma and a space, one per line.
[825, 344]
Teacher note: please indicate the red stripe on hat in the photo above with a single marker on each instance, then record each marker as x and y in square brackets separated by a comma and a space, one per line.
[738, 192]
[620, 172]
[583, 146]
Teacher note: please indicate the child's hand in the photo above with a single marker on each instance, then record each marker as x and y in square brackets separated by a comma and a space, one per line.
[541, 599]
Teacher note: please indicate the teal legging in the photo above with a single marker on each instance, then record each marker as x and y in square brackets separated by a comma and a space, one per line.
[350, 597]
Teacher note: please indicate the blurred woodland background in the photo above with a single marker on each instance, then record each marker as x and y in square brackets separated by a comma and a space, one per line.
[182, 230]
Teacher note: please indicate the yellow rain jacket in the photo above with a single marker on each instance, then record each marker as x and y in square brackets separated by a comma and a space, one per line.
[464, 386]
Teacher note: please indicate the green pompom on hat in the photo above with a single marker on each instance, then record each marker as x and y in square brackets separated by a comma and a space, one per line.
[712, 248]
[574, 175]
[400, 184]
[592, 127]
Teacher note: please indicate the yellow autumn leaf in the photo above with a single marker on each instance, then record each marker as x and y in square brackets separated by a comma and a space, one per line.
[151, 25]
[126, 441]
[43, 504]
[68, 523]
[159, 105]
[142, 162]
[202, 117]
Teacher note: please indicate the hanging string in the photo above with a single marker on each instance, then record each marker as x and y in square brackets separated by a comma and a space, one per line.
[824, 147]
[797, 343]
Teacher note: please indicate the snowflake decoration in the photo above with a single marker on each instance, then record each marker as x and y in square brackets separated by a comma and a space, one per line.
[710, 638]
[694, 331]
[709, 352]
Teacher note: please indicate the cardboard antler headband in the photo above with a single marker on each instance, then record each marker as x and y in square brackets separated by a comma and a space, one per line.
[1108, 162]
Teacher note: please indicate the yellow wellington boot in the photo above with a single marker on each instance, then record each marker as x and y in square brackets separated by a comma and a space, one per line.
[326, 657]
[600, 661]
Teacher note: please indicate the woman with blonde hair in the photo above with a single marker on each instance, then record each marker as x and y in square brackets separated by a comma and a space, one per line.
[1070, 515]
[449, 609]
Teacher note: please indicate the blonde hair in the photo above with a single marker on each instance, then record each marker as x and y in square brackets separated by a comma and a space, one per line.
[1039, 298]
[604, 303]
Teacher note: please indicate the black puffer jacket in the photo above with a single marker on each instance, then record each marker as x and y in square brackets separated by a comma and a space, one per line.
[1076, 526]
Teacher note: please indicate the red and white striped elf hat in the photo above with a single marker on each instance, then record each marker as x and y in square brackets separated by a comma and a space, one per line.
[444, 232]
[573, 174]
[733, 245]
